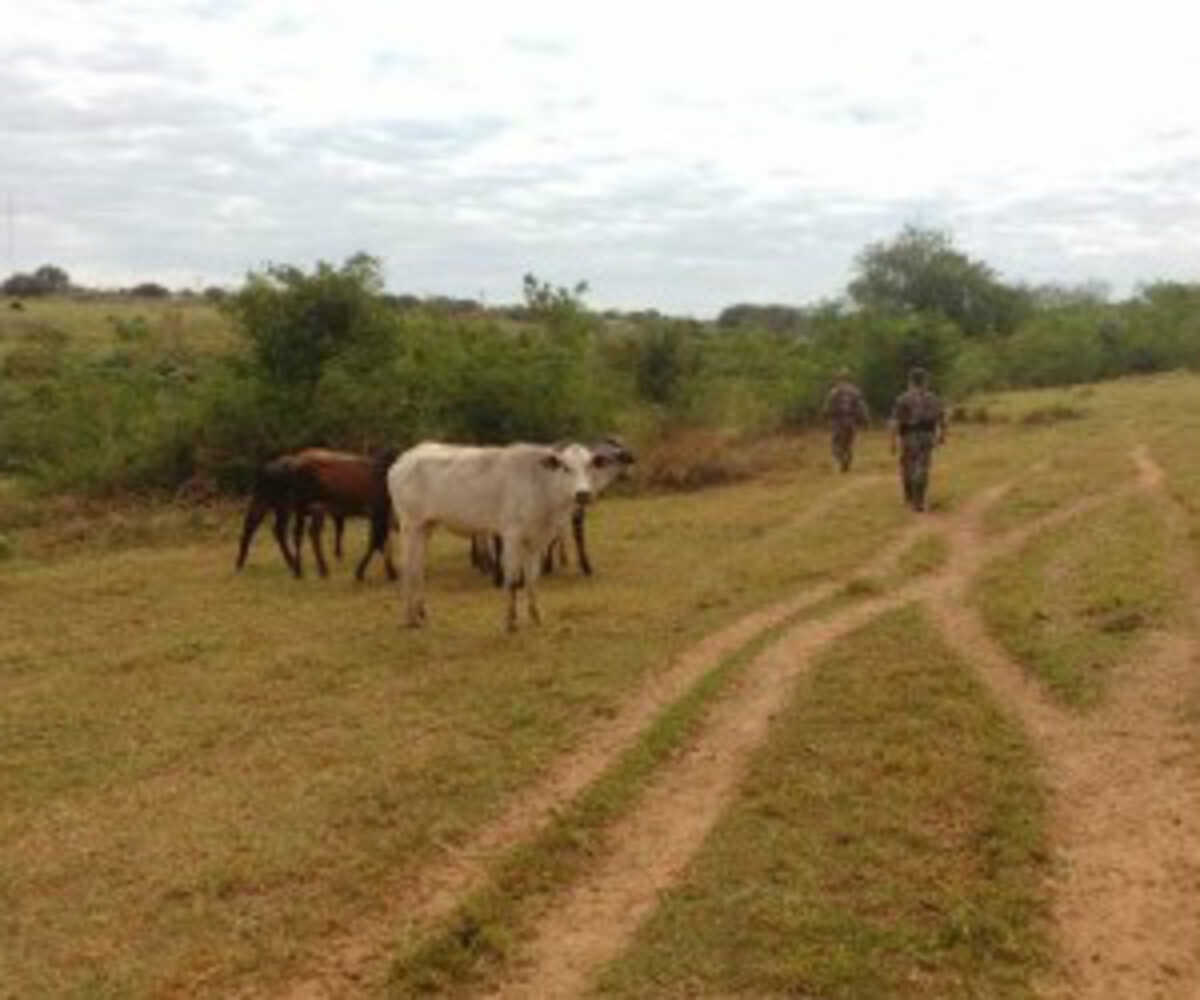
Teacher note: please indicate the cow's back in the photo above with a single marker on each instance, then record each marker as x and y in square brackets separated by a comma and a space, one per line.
[346, 483]
[471, 489]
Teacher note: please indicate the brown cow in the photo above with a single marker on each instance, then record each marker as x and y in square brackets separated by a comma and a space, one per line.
[314, 483]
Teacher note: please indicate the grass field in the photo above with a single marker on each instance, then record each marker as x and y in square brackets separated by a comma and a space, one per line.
[888, 841]
[208, 777]
[91, 326]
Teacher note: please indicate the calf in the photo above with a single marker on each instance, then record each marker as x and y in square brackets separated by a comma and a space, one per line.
[521, 492]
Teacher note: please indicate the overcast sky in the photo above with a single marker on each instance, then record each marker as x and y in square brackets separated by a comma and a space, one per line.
[682, 157]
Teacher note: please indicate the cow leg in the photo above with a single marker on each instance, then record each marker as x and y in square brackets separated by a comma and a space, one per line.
[254, 514]
[339, 525]
[378, 541]
[481, 554]
[498, 560]
[415, 538]
[291, 558]
[315, 528]
[514, 574]
[392, 526]
[585, 565]
[297, 538]
[533, 565]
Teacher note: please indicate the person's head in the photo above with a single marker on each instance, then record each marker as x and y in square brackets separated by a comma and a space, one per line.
[842, 375]
[918, 377]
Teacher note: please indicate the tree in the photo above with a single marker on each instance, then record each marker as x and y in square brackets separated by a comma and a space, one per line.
[46, 280]
[150, 290]
[559, 309]
[296, 323]
[665, 356]
[53, 279]
[920, 271]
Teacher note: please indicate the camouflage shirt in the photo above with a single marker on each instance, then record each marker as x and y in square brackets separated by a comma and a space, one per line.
[845, 405]
[918, 409]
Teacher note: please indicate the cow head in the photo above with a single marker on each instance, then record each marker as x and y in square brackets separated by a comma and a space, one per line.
[611, 460]
[574, 462]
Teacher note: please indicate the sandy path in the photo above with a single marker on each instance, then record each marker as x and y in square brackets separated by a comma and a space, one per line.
[656, 840]
[1125, 809]
[1125, 812]
[1125, 805]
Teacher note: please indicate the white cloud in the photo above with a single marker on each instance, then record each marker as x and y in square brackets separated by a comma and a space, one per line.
[675, 156]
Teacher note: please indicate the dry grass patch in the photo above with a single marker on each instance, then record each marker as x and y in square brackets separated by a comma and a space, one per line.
[1060, 466]
[1072, 604]
[693, 458]
[204, 775]
[926, 555]
[888, 841]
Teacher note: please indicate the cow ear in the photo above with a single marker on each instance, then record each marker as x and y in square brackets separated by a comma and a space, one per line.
[552, 461]
[600, 461]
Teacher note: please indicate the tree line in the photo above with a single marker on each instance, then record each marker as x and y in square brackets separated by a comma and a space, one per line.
[329, 357]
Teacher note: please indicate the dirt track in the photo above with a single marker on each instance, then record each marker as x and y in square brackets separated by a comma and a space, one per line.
[1125, 809]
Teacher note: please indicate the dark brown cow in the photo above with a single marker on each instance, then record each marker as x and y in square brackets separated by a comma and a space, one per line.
[312, 484]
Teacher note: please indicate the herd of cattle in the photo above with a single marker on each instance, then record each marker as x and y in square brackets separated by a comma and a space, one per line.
[515, 503]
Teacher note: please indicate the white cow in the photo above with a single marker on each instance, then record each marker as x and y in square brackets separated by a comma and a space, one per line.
[521, 492]
[610, 461]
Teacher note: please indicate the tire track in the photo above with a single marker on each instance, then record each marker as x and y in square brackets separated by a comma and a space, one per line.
[1125, 804]
[358, 957]
[597, 917]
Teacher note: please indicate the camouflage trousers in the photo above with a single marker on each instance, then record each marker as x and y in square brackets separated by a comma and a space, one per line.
[843, 444]
[916, 452]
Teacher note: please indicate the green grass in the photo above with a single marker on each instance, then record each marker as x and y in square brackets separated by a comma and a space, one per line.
[1073, 603]
[474, 942]
[296, 747]
[206, 777]
[472, 945]
[93, 326]
[888, 841]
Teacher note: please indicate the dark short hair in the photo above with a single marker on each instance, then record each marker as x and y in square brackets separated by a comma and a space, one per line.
[918, 375]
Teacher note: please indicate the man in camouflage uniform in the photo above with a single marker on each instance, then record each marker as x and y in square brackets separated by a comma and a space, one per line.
[846, 411]
[919, 423]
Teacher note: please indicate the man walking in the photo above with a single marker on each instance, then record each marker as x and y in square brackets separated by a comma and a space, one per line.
[846, 411]
[919, 423]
